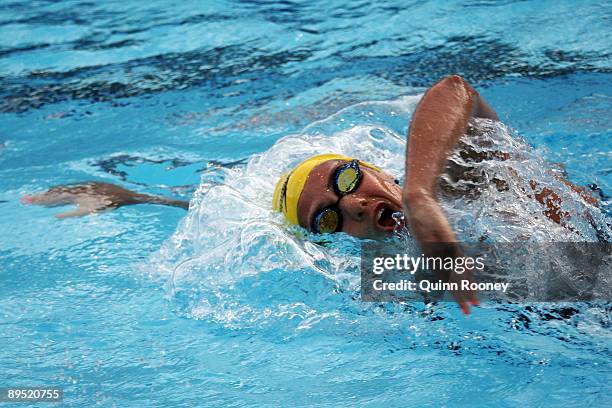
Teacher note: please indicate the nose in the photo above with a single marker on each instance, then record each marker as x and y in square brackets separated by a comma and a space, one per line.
[353, 206]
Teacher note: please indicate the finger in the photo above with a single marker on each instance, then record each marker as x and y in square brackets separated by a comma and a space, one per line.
[474, 298]
[461, 297]
[473, 295]
[470, 296]
[465, 308]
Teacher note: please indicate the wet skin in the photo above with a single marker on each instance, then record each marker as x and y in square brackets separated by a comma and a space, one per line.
[95, 197]
[366, 213]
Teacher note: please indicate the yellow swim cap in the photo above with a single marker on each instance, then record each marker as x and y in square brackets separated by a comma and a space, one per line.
[290, 185]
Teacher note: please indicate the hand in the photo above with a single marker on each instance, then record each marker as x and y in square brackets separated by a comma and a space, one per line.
[430, 227]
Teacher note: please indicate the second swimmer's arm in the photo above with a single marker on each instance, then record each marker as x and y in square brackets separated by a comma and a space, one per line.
[441, 118]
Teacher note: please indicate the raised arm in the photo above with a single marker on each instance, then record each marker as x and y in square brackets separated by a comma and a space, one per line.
[441, 118]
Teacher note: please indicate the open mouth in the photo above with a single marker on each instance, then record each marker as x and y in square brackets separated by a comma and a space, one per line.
[385, 217]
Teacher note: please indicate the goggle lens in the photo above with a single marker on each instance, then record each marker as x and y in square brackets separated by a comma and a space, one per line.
[347, 180]
[347, 177]
[327, 222]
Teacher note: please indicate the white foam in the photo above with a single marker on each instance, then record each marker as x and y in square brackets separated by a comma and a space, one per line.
[235, 261]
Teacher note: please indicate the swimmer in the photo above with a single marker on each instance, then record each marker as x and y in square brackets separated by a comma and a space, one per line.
[331, 193]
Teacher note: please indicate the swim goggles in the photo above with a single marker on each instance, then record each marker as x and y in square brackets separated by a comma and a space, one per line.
[346, 180]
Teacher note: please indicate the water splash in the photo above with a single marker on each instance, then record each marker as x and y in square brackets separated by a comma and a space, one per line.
[235, 262]
[400, 221]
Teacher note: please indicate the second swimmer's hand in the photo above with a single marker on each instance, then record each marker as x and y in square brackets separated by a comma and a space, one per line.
[434, 234]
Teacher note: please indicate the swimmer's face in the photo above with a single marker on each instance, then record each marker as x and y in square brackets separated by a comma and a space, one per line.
[366, 212]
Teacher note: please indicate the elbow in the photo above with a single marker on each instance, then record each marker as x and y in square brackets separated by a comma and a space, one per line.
[455, 82]
[456, 86]
[450, 86]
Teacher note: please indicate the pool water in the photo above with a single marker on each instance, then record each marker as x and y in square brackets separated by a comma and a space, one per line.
[222, 306]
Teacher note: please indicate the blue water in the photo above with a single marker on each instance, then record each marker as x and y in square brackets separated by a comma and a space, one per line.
[221, 306]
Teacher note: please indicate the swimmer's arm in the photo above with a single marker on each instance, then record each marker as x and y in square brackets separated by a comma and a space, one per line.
[441, 118]
[95, 197]
[148, 199]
